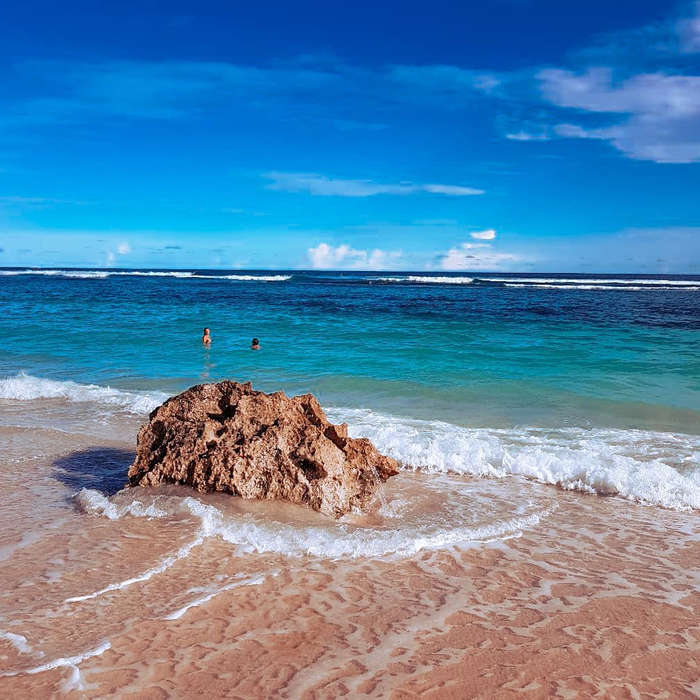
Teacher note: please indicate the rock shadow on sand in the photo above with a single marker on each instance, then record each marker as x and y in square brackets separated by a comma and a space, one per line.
[101, 468]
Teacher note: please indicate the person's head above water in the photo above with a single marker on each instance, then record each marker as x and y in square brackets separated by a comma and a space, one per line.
[206, 338]
[255, 344]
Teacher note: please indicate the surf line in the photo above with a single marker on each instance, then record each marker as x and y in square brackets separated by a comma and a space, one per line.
[145, 576]
[250, 581]
[19, 642]
[72, 662]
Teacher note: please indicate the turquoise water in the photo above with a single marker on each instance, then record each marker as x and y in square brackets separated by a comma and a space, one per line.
[474, 354]
[491, 358]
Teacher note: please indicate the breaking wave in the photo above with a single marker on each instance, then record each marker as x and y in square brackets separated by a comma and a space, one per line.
[549, 282]
[643, 466]
[102, 274]
[25, 387]
[423, 279]
[595, 281]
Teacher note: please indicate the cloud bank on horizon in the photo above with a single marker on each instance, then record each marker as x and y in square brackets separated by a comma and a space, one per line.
[573, 144]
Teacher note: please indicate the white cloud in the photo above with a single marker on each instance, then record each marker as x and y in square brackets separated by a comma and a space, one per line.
[325, 256]
[662, 111]
[326, 187]
[477, 256]
[487, 235]
[672, 96]
[123, 248]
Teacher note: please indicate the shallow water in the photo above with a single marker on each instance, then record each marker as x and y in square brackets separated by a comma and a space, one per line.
[549, 437]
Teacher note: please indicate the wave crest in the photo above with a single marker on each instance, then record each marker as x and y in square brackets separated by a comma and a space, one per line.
[25, 387]
[643, 466]
[178, 274]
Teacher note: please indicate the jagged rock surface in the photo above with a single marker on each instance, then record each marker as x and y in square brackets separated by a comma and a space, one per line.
[228, 437]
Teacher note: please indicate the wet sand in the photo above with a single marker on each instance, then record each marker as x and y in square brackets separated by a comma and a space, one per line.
[582, 596]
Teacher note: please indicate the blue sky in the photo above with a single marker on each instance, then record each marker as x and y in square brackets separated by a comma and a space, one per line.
[512, 135]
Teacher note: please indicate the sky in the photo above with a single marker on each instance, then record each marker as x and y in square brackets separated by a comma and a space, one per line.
[513, 135]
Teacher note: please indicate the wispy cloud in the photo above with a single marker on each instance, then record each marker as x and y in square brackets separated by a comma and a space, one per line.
[662, 111]
[523, 135]
[37, 202]
[445, 80]
[335, 187]
[640, 83]
[325, 256]
[75, 91]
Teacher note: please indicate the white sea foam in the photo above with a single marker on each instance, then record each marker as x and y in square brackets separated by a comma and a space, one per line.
[74, 681]
[334, 540]
[425, 279]
[644, 466]
[99, 504]
[140, 578]
[248, 581]
[25, 387]
[18, 641]
[179, 274]
[621, 288]
[551, 282]
[591, 280]
[96, 503]
[74, 274]
[257, 278]
[194, 275]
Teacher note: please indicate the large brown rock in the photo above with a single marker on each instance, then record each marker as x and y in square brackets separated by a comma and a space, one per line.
[228, 437]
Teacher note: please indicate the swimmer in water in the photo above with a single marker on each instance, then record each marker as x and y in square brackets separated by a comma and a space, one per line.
[206, 337]
[255, 344]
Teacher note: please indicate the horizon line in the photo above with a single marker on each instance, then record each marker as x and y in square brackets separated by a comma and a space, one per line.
[95, 268]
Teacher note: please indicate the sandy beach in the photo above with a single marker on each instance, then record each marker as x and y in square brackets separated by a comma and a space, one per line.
[126, 598]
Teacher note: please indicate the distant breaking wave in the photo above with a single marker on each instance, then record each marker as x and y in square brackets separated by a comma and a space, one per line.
[644, 466]
[420, 279]
[102, 274]
[548, 282]
[533, 282]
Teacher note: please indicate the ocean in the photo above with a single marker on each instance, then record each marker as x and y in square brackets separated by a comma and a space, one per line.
[517, 405]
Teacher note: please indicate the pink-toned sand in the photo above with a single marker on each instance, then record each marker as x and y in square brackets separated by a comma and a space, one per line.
[599, 598]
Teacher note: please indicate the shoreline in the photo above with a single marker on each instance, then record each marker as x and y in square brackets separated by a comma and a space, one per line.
[597, 595]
